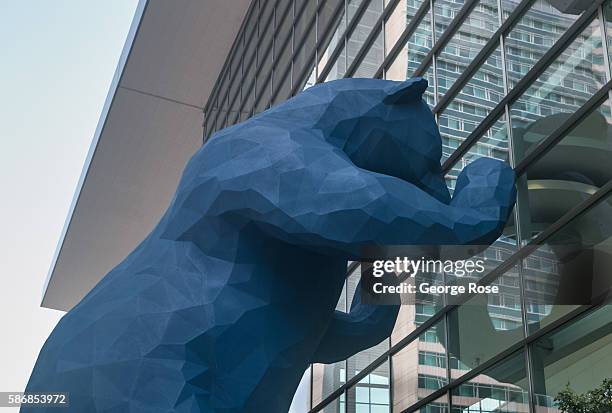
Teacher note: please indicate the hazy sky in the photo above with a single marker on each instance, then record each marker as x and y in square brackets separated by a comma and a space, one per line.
[57, 59]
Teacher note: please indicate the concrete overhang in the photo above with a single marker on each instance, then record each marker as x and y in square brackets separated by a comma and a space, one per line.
[150, 125]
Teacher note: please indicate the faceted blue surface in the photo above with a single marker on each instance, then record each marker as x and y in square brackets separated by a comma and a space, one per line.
[229, 299]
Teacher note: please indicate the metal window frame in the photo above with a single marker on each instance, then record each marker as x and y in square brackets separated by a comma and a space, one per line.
[409, 30]
[520, 345]
[310, 23]
[348, 31]
[425, 7]
[288, 38]
[447, 35]
[261, 59]
[215, 89]
[255, 59]
[535, 243]
[484, 54]
[596, 10]
[547, 59]
[369, 41]
[307, 69]
[561, 132]
[312, 57]
[515, 348]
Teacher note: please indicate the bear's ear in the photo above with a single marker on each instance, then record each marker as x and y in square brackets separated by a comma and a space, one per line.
[408, 91]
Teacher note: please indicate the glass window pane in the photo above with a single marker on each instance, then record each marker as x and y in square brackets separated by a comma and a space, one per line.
[372, 60]
[419, 369]
[445, 11]
[283, 28]
[338, 68]
[413, 53]
[304, 26]
[327, 47]
[362, 31]
[304, 42]
[566, 85]
[282, 89]
[263, 90]
[249, 70]
[220, 120]
[501, 388]
[568, 173]
[304, 55]
[281, 80]
[465, 44]
[608, 18]
[429, 95]
[250, 55]
[325, 23]
[301, 399]
[508, 7]
[440, 405]
[351, 8]
[493, 144]
[572, 267]
[417, 308]
[337, 406]
[326, 378]
[264, 53]
[210, 121]
[236, 82]
[576, 355]
[533, 36]
[472, 105]
[397, 21]
[282, 44]
[307, 82]
[264, 58]
[361, 360]
[371, 394]
[249, 63]
[485, 325]
[222, 92]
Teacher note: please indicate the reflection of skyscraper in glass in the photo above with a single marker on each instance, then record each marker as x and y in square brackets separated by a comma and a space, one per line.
[526, 82]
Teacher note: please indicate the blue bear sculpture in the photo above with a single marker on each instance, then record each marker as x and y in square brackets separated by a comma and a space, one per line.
[233, 294]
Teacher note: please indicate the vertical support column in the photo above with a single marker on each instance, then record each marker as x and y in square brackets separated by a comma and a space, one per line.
[521, 211]
[316, 49]
[240, 91]
[537, 378]
[275, 25]
[448, 358]
[344, 36]
[383, 34]
[257, 57]
[291, 80]
[606, 48]
[527, 350]
[434, 58]
[390, 362]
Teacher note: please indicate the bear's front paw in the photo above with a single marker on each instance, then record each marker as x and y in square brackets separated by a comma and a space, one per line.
[486, 185]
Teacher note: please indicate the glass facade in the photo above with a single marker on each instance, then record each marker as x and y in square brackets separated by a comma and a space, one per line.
[526, 82]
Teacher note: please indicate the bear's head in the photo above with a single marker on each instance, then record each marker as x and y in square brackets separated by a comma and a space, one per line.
[385, 126]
